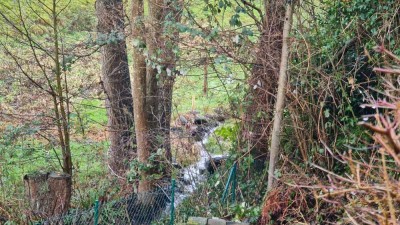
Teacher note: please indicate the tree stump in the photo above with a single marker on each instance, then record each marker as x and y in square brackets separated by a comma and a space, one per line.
[60, 187]
[48, 194]
[36, 191]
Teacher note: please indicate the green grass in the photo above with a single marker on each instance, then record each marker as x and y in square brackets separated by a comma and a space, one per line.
[92, 113]
[30, 156]
[198, 8]
[22, 154]
[188, 92]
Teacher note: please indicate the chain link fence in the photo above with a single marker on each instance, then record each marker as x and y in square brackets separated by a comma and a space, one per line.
[136, 209]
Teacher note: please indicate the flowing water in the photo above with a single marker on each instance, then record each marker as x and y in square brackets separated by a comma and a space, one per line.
[195, 174]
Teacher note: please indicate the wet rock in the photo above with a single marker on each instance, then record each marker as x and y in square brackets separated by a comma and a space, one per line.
[202, 170]
[176, 129]
[218, 160]
[200, 120]
[200, 132]
[177, 165]
[212, 221]
[183, 120]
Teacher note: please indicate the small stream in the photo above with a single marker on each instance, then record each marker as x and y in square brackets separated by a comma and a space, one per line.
[195, 174]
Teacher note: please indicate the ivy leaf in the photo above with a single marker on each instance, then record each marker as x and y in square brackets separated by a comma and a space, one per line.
[234, 21]
[246, 31]
[326, 113]
[221, 4]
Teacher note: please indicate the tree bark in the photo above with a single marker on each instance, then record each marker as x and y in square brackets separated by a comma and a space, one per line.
[139, 92]
[263, 81]
[36, 192]
[154, 98]
[60, 187]
[117, 84]
[153, 82]
[280, 101]
[173, 14]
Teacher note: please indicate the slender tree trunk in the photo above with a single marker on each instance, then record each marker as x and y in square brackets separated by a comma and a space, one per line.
[205, 80]
[172, 13]
[155, 69]
[60, 111]
[117, 85]
[280, 101]
[139, 91]
[153, 94]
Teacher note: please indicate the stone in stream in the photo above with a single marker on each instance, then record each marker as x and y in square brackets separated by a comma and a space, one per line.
[200, 120]
[218, 160]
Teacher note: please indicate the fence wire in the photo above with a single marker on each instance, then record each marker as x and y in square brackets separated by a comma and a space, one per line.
[137, 209]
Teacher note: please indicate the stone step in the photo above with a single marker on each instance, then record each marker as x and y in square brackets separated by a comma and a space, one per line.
[210, 221]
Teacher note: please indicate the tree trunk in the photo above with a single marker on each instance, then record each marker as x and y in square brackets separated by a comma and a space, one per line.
[61, 108]
[153, 82]
[139, 92]
[155, 70]
[263, 81]
[117, 85]
[280, 101]
[172, 14]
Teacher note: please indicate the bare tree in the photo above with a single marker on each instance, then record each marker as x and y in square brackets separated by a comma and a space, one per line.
[42, 63]
[116, 83]
[44, 60]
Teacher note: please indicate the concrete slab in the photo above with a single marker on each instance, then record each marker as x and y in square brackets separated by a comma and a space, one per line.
[216, 222]
[198, 220]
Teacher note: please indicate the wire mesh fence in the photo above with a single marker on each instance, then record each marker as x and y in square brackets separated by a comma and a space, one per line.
[136, 209]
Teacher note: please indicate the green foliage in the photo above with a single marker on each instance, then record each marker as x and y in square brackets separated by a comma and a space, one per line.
[338, 80]
[156, 166]
[224, 139]
[206, 200]
[228, 131]
[371, 16]
[244, 211]
[223, 89]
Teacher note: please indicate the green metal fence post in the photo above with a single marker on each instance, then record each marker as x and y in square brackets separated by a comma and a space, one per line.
[233, 187]
[172, 203]
[232, 174]
[96, 212]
